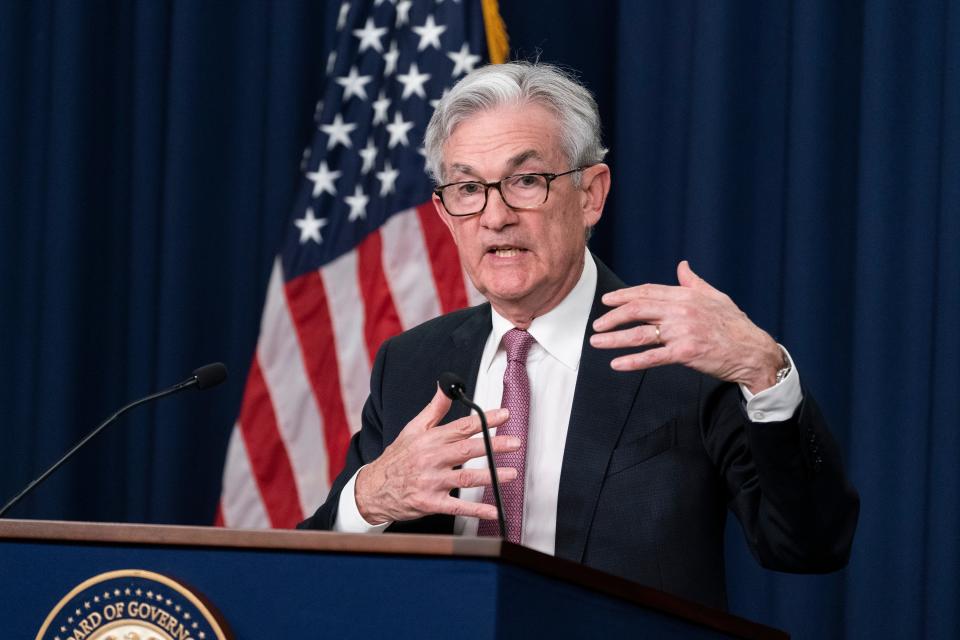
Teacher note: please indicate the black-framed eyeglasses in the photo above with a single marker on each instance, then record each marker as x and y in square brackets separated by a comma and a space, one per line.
[521, 191]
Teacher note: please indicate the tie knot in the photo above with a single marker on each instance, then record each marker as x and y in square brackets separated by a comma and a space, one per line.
[517, 342]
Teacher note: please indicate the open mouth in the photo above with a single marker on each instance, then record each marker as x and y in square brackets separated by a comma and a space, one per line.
[506, 251]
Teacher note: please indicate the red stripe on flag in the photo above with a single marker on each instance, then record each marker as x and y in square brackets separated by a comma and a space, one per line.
[381, 320]
[267, 452]
[444, 260]
[218, 518]
[307, 300]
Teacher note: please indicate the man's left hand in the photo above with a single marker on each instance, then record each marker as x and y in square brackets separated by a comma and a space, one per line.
[692, 324]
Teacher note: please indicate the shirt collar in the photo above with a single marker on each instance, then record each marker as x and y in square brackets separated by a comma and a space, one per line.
[559, 331]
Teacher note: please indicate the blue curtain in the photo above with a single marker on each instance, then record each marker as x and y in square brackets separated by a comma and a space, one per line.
[150, 153]
[804, 156]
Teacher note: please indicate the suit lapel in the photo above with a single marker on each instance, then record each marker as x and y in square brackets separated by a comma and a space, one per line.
[601, 404]
[467, 342]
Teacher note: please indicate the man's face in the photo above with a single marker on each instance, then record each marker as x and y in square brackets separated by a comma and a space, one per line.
[523, 261]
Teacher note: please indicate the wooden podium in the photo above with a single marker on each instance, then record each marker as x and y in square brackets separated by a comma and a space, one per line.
[296, 584]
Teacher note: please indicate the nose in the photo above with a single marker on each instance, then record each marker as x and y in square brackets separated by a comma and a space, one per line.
[497, 215]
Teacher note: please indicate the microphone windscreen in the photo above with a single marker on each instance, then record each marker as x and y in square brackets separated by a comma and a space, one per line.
[452, 385]
[210, 375]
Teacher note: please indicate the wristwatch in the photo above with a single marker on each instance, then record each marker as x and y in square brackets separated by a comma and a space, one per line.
[785, 370]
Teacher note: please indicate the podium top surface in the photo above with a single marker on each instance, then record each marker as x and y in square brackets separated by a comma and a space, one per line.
[495, 549]
[276, 539]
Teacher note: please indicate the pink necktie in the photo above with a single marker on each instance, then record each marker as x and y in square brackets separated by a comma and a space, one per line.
[516, 398]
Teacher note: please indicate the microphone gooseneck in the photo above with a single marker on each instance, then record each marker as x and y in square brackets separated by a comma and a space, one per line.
[203, 378]
[454, 388]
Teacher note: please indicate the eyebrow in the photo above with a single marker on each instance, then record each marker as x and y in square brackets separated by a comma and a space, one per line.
[512, 163]
[463, 168]
[522, 157]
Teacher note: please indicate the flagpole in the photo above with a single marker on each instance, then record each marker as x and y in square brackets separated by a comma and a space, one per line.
[498, 43]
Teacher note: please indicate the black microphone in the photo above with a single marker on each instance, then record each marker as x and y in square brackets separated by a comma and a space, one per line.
[454, 388]
[209, 375]
[203, 378]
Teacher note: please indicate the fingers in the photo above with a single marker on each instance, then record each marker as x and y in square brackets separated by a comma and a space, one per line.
[633, 337]
[438, 407]
[470, 425]
[645, 360]
[469, 478]
[685, 275]
[687, 278]
[648, 291]
[458, 507]
[638, 310]
[457, 453]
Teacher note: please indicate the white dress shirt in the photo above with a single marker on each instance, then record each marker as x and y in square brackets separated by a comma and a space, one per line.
[552, 366]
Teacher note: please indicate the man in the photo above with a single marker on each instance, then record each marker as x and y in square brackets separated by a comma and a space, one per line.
[636, 415]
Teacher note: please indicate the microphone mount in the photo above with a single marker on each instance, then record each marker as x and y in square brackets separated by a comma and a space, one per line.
[203, 378]
[454, 388]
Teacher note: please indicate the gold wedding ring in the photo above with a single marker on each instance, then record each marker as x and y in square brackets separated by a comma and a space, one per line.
[657, 327]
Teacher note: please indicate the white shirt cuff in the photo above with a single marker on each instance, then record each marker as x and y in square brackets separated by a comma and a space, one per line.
[779, 402]
[348, 518]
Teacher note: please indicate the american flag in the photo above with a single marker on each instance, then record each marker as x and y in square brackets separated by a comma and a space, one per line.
[365, 255]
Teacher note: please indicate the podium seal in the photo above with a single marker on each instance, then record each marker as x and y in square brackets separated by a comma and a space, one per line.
[131, 604]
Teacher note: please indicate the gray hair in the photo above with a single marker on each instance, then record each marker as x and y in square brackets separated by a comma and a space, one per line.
[520, 83]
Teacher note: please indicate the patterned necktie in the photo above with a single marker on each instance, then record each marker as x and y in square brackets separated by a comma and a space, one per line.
[516, 398]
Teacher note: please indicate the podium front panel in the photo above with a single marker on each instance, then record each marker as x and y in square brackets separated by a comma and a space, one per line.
[308, 593]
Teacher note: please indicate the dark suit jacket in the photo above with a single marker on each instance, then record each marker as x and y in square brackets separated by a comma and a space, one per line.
[652, 461]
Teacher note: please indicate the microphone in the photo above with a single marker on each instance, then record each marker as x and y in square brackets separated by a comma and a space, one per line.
[207, 376]
[454, 388]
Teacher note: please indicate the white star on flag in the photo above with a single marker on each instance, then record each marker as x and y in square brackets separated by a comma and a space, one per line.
[323, 179]
[370, 36]
[398, 131]
[358, 204]
[390, 58]
[342, 16]
[339, 132]
[463, 61]
[331, 62]
[380, 106]
[403, 12]
[388, 179]
[413, 82]
[353, 84]
[310, 227]
[369, 155]
[429, 34]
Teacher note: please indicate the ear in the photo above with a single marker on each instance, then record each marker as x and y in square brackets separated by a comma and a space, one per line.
[438, 206]
[594, 187]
